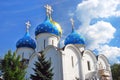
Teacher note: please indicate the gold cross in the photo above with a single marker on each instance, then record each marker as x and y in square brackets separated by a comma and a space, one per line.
[48, 9]
[28, 25]
[72, 22]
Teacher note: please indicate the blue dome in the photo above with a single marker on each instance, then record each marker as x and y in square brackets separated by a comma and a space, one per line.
[74, 38]
[47, 27]
[26, 41]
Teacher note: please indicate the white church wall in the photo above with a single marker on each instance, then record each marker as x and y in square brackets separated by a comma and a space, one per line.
[102, 62]
[71, 64]
[33, 59]
[89, 64]
[55, 57]
[28, 53]
[45, 39]
[25, 52]
[104, 67]
[80, 47]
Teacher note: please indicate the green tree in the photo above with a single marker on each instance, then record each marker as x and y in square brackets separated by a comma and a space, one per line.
[12, 67]
[115, 68]
[43, 70]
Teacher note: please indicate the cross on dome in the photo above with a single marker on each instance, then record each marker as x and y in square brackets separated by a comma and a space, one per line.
[72, 22]
[28, 25]
[48, 9]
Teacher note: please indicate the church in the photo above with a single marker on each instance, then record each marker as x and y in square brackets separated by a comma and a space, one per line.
[71, 62]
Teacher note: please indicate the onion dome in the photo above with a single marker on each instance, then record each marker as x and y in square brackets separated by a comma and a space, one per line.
[58, 26]
[26, 41]
[74, 37]
[49, 26]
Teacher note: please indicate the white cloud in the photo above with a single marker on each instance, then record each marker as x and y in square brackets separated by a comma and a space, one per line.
[90, 9]
[100, 33]
[111, 52]
[97, 34]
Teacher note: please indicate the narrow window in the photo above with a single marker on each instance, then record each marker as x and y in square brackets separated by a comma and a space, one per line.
[88, 63]
[52, 42]
[50, 59]
[72, 61]
[22, 55]
[100, 66]
[44, 44]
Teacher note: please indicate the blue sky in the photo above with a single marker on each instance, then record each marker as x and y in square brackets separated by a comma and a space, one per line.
[97, 22]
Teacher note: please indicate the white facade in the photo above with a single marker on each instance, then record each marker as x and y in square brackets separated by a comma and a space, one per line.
[45, 39]
[68, 63]
[71, 60]
[25, 52]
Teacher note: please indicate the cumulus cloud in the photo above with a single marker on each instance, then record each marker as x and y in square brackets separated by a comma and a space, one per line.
[111, 52]
[90, 9]
[99, 34]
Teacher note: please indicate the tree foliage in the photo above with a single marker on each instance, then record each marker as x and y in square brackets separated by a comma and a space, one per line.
[43, 70]
[115, 71]
[12, 67]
